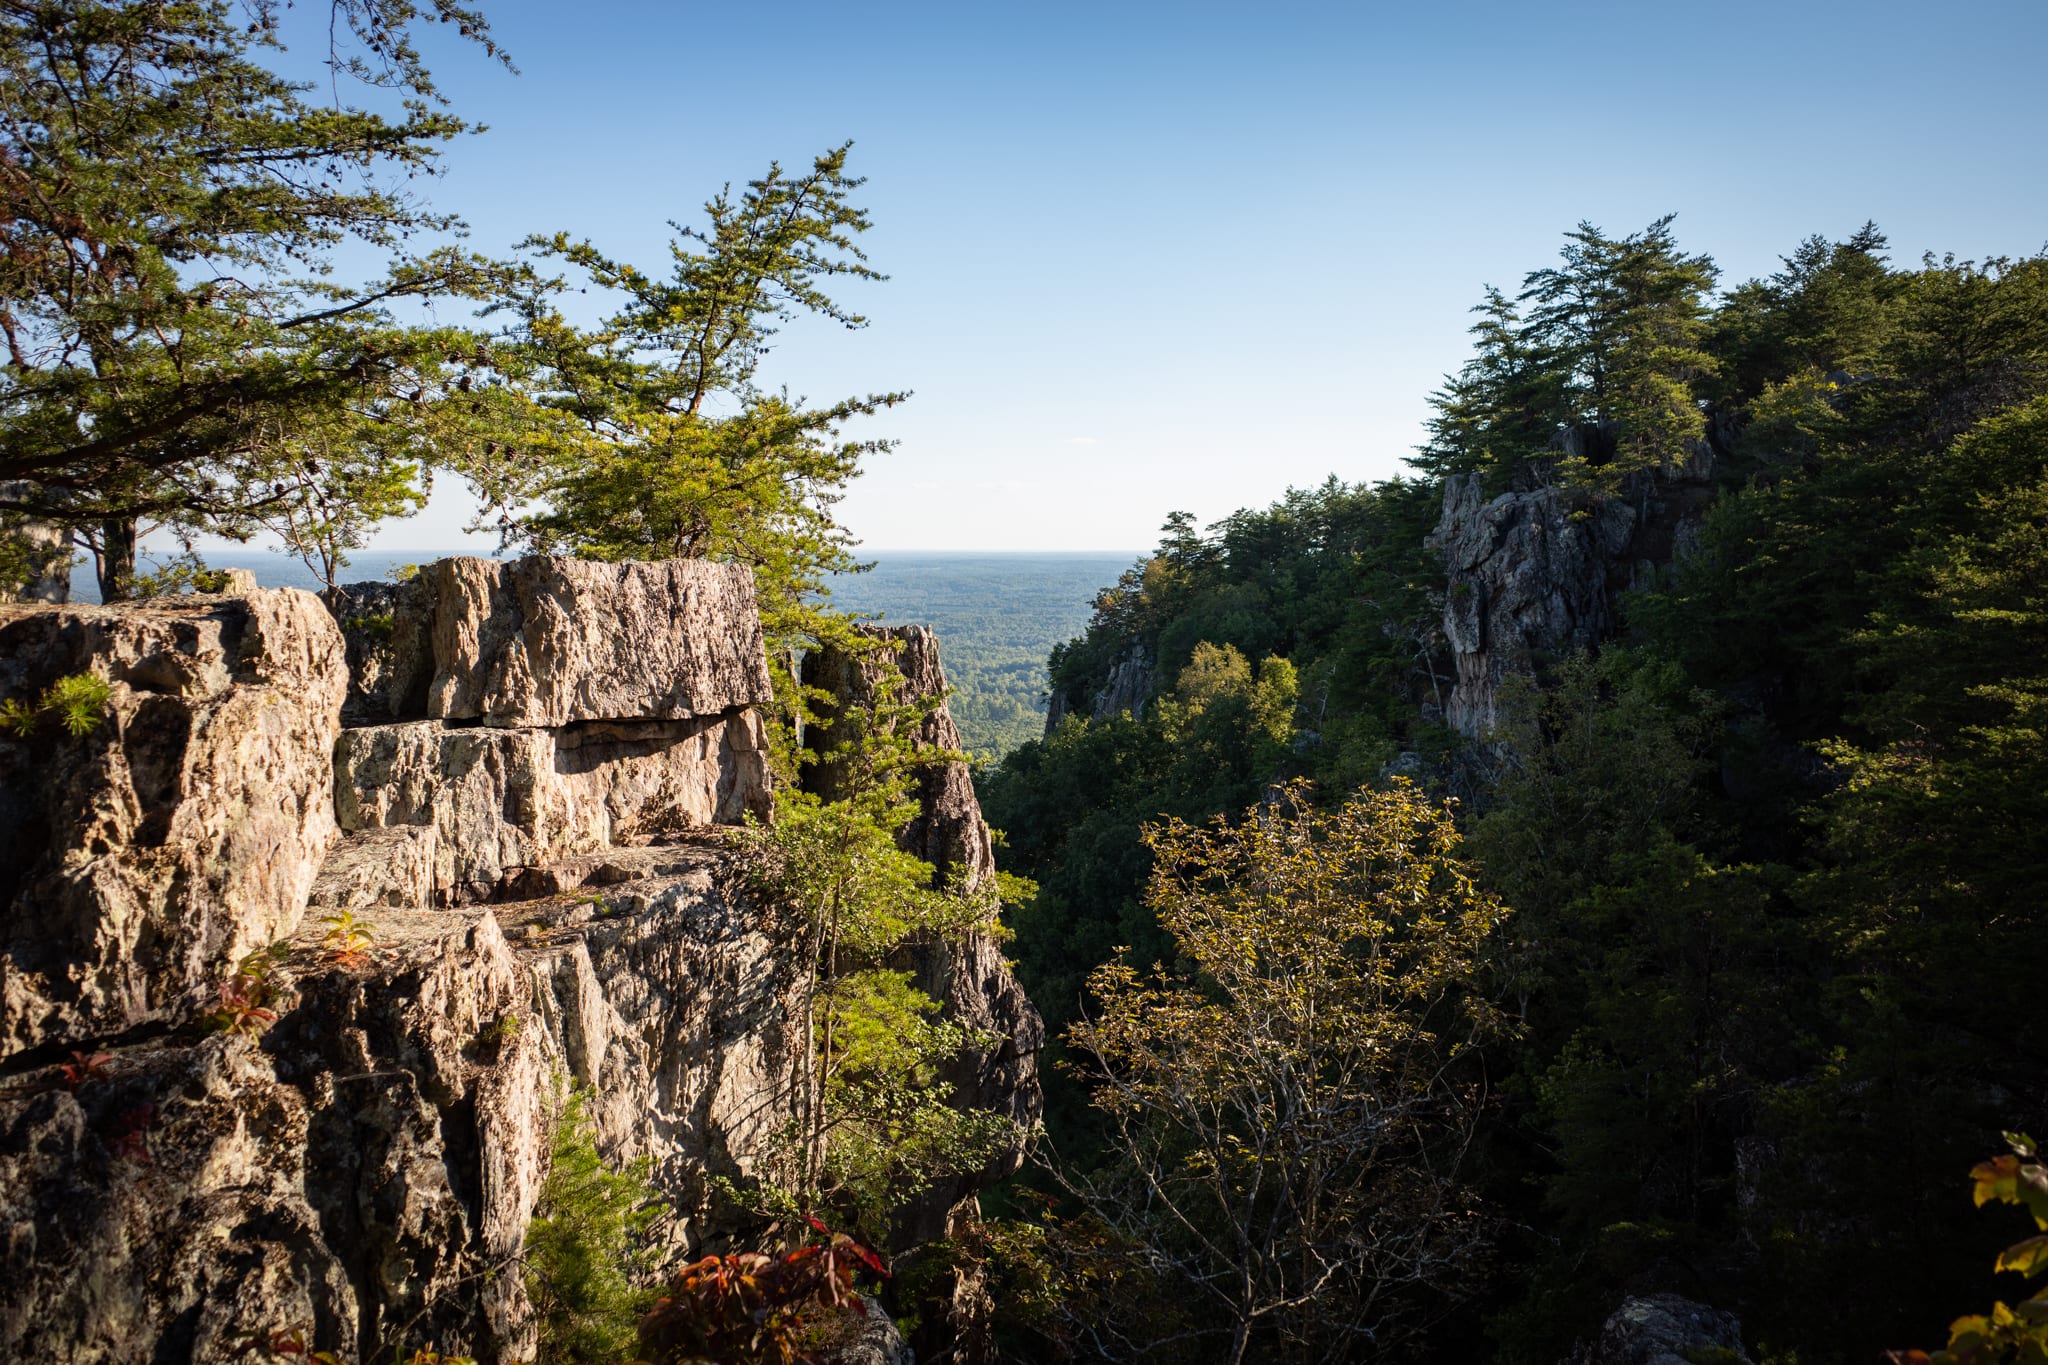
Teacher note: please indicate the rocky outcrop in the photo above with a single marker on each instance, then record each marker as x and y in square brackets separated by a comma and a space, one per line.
[1665, 1329]
[490, 805]
[517, 714]
[363, 1173]
[1131, 683]
[348, 1153]
[967, 974]
[388, 628]
[1538, 574]
[179, 831]
[550, 641]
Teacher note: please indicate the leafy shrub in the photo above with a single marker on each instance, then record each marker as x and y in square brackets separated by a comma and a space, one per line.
[348, 938]
[246, 996]
[2018, 1333]
[752, 1309]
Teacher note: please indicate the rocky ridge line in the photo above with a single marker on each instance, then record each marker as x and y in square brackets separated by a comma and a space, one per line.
[529, 827]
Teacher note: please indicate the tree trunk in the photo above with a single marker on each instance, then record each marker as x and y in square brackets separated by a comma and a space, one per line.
[116, 559]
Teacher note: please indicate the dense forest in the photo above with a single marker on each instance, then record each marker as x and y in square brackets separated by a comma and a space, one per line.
[1602, 864]
[995, 615]
[1770, 852]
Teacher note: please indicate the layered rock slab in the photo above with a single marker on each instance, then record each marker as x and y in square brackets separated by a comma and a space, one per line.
[498, 803]
[548, 641]
[183, 828]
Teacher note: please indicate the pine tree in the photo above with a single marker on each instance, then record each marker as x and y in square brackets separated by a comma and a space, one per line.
[172, 207]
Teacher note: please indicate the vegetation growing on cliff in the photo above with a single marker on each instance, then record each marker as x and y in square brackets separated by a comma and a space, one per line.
[1771, 852]
[671, 447]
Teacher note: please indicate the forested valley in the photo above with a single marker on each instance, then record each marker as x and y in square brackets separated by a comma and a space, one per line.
[1588, 884]
[1766, 842]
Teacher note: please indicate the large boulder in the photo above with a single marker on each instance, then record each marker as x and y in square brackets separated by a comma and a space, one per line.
[1666, 1329]
[140, 859]
[549, 641]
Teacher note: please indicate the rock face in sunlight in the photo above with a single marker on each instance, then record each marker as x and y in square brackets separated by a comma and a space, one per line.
[547, 641]
[1538, 574]
[618, 703]
[967, 975]
[182, 828]
[342, 1138]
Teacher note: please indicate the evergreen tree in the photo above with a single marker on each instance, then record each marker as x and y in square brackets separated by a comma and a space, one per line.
[1624, 318]
[652, 468]
[172, 206]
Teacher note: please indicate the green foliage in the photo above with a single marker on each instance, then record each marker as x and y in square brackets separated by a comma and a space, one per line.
[587, 1246]
[169, 301]
[79, 701]
[891, 1129]
[17, 717]
[2017, 1334]
[1288, 1108]
[1774, 854]
[1598, 379]
[643, 467]
[181, 574]
[247, 994]
[347, 938]
[1333, 590]
[874, 1127]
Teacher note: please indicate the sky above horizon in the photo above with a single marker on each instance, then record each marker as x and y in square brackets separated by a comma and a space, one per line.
[1149, 257]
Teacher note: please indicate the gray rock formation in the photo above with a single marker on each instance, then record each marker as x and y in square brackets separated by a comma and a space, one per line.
[1665, 1329]
[548, 641]
[362, 1172]
[1533, 576]
[1132, 681]
[494, 803]
[182, 830]
[968, 975]
[389, 631]
[619, 704]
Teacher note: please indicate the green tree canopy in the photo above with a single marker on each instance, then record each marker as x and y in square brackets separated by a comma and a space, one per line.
[167, 292]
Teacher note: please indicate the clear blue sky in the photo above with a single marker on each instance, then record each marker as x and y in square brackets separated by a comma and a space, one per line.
[1159, 256]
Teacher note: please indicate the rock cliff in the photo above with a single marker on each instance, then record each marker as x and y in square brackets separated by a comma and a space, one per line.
[967, 975]
[1131, 683]
[1534, 575]
[524, 810]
